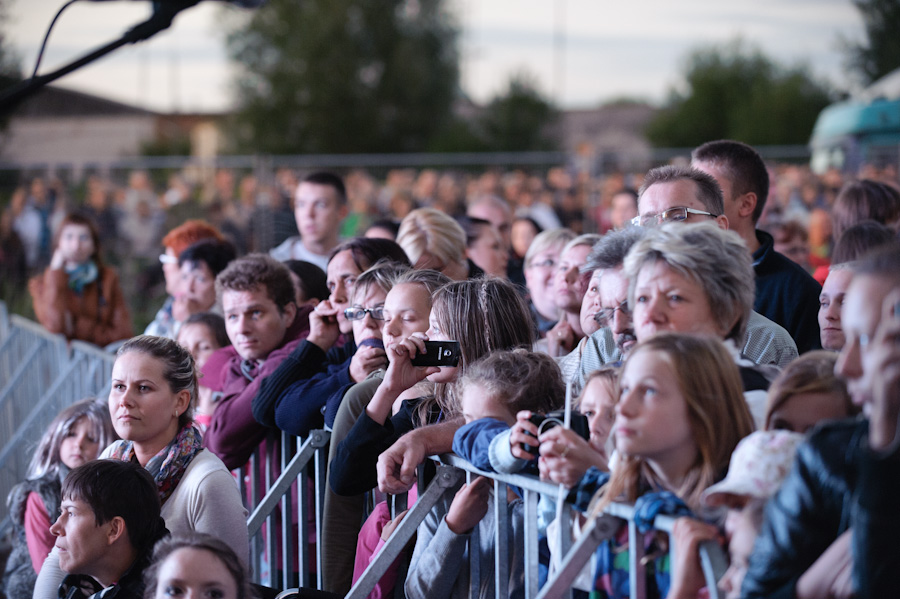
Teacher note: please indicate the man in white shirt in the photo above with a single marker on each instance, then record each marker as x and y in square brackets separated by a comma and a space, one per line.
[320, 204]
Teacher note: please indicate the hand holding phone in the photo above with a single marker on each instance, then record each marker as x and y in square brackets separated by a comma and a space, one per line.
[438, 353]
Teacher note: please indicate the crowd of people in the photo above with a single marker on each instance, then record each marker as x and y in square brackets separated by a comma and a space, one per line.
[752, 393]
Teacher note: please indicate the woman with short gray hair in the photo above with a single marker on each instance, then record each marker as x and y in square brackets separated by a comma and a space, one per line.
[697, 279]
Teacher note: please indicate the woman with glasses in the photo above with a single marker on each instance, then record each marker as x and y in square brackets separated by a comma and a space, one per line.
[298, 407]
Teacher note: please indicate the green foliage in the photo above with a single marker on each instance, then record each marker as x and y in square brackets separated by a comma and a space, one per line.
[518, 119]
[344, 76]
[736, 92]
[880, 53]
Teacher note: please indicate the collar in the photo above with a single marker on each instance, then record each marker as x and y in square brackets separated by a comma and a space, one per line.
[766, 246]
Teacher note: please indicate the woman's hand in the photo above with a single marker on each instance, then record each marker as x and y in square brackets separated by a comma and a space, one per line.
[523, 432]
[561, 339]
[58, 260]
[401, 374]
[365, 361]
[469, 506]
[323, 325]
[687, 574]
[565, 457]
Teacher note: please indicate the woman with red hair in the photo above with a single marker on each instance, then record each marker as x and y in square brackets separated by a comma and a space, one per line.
[174, 311]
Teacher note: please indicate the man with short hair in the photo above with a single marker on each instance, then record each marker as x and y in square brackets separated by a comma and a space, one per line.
[320, 204]
[687, 195]
[108, 524]
[611, 332]
[785, 292]
[264, 325]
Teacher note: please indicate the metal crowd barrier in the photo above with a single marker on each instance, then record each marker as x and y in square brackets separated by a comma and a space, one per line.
[284, 486]
[40, 375]
[449, 472]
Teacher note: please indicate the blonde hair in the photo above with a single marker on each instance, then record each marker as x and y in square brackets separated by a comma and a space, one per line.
[46, 459]
[717, 412]
[609, 375]
[429, 231]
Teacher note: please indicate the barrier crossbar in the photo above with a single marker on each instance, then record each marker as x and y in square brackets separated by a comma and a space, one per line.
[449, 472]
[284, 487]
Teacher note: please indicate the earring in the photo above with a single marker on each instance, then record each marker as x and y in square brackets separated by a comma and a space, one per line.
[176, 413]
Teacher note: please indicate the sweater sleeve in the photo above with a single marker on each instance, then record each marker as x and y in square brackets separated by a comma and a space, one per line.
[472, 441]
[37, 531]
[215, 508]
[49, 578]
[352, 468]
[233, 434]
[437, 559]
[306, 360]
[299, 408]
[48, 295]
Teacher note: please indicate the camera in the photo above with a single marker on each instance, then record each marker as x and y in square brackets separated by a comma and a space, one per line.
[544, 422]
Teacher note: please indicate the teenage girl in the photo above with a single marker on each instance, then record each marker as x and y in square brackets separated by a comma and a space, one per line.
[675, 431]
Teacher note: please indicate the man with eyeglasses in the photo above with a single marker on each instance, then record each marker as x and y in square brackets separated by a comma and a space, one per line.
[605, 316]
[687, 195]
[785, 292]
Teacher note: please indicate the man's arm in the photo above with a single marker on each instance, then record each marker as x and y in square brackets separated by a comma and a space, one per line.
[397, 466]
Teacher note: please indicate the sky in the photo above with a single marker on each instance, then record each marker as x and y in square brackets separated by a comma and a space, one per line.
[580, 53]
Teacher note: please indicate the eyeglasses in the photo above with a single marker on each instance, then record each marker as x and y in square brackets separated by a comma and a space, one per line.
[672, 215]
[360, 313]
[604, 316]
[167, 259]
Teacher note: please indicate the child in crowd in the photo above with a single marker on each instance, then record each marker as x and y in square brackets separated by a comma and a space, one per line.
[76, 436]
[202, 334]
[758, 466]
[564, 456]
[493, 389]
[675, 432]
[807, 392]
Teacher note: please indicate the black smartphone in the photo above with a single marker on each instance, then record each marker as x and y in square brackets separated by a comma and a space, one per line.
[438, 353]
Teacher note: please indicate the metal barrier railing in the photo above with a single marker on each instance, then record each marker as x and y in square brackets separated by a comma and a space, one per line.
[40, 375]
[284, 486]
[449, 471]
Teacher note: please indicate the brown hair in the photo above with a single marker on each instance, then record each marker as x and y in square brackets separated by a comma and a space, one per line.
[520, 378]
[81, 220]
[484, 315]
[201, 542]
[813, 372]
[717, 412]
[865, 200]
[258, 271]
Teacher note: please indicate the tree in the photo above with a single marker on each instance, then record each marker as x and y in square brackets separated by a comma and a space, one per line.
[344, 76]
[880, 53]
[518, 119]
[736, 92]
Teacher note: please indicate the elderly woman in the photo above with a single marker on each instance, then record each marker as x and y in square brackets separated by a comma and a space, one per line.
[697, 279]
